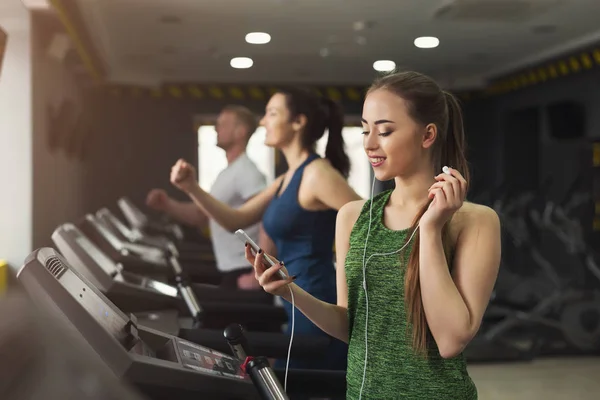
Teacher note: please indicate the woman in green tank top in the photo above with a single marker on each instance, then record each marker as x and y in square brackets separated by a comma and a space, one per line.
[416, 264]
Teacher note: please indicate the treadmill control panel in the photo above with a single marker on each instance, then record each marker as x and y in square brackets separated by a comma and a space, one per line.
[206, 360]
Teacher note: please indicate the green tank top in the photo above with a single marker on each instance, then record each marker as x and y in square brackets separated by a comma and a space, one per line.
[394, 370]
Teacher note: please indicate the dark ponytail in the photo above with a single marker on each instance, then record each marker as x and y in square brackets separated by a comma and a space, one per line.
[427, 103]
[453, 151]
[321, 114]
[334, 151]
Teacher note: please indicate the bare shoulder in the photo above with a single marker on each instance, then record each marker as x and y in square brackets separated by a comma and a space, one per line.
[318, 169]
[474, 217]
[349, 213]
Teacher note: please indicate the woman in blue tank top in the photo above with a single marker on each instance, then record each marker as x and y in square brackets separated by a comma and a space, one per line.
[299, 209]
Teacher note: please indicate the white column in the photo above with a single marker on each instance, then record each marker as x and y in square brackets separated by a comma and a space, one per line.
[16, 166]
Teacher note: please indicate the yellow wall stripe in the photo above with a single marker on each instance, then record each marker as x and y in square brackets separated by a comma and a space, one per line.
[3, 276]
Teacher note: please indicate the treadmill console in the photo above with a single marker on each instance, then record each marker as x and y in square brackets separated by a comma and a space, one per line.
[150, 255]
[141, 354]
[86, 256]
[134, 216]
[203, 359]
[123, 229]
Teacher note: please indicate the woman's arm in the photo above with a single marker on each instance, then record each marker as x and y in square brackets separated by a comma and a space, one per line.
[186, 213]
[183, 176]
[454, 304]
[331, 318]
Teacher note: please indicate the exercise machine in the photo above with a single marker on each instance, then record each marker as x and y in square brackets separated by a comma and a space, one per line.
[207, 305]
[143, 259]
[549, 318]
[201, 254]
[161, 366]
[159, 305]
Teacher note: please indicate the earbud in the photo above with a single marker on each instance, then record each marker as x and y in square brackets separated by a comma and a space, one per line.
[446, 170]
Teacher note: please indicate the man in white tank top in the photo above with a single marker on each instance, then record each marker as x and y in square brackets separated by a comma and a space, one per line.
[236, 184]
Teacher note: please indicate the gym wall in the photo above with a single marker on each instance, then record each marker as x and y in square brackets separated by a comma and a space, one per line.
[560, 157]
[57, 178]
[545, 131]
[132, 146]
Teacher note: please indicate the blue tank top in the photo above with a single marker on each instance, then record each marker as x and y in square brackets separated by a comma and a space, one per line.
[304, 241]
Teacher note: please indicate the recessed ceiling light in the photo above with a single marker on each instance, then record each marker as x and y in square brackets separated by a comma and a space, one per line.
[427, 42]
[258, 38]
[241, 62]
[384, 65]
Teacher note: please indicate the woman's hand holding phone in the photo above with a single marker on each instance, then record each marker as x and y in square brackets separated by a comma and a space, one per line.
[268, 276]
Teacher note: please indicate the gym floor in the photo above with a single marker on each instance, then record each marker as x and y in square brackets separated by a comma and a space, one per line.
[543, 379]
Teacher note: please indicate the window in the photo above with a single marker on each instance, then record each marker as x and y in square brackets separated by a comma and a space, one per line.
[360, 169]
[212, 160]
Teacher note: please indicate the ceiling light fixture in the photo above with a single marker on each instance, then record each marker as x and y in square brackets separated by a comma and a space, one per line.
[384, 65]
[427, 42]
[258, 38]
[241, 62]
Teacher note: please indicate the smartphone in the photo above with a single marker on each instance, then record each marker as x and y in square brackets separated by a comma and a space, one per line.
[247, 239]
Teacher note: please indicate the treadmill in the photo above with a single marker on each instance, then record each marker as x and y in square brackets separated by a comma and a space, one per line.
[186, 239]
[142, 259]
[204, 305]
[201, 254]
[200, 263]
[161, 366]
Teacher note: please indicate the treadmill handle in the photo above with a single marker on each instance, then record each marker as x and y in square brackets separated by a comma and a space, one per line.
[186, 291]
[264, 379]
[258, 368]
[190, 300]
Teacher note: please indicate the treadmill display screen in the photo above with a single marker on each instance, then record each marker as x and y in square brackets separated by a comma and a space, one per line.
[203, 359]
[99, 257]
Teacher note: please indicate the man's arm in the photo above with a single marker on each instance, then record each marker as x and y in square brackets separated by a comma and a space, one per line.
[185, 213]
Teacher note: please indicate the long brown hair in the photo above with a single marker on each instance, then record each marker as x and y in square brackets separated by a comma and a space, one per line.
[427, 103]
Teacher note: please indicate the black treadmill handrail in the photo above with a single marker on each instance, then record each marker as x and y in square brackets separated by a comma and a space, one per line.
[258, 368]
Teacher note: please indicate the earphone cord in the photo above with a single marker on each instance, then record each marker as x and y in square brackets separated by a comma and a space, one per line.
[365, 261]
[287, 365]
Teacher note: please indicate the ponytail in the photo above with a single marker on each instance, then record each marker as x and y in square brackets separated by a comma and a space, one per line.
[334, 151]
[454, 149]
[452, 154]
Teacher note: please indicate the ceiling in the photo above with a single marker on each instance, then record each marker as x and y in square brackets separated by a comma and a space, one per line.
[149, 42]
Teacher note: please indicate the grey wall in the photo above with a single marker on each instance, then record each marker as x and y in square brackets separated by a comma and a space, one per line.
[132, 146]
[57, 178]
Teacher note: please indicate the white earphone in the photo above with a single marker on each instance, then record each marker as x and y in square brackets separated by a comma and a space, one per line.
[446, 170]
